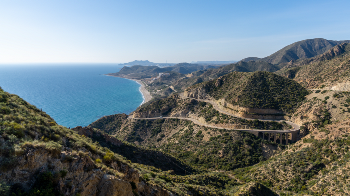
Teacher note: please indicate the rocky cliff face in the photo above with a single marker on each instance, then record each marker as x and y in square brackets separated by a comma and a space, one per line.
[345, 86]
[81, 174]
[147, 114]
[335, 51]
[197, 93]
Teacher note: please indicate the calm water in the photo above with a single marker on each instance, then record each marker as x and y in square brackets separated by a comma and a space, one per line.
[73, 95]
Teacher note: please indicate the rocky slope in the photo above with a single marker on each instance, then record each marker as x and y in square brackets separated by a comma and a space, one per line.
[316, 165]
[329, 70]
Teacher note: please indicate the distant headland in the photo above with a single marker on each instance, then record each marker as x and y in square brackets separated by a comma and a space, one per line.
[147, 63]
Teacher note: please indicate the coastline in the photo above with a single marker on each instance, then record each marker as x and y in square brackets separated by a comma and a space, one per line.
[146, 95]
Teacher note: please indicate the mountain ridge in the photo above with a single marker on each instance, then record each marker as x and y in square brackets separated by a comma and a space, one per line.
[299, 50]
[328, 70]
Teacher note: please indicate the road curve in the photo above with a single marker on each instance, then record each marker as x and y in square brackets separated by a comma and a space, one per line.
[295, 128]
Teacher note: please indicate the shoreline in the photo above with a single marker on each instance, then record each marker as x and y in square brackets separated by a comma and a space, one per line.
[146, 95]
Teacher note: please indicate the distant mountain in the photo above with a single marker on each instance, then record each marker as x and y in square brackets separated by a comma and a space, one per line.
[213, 62]
[299, 50]
[331, 69]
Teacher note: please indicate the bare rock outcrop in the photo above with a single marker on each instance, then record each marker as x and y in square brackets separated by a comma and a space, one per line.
[112, 186]
[335, 51]
[197, 93]
[82, 174]
[341, 87]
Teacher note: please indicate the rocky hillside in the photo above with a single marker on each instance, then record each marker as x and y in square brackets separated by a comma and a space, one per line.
[259, 90]
[316, 165]
[322, 107]
[299, 50]
[329, 70]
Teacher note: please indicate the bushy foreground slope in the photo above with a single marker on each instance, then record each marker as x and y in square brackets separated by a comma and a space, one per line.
[34, 149]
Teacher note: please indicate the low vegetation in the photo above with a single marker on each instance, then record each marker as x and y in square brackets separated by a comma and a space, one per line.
[261, 90]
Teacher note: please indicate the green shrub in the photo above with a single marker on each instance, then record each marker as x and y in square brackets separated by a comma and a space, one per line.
[145, 177]
[109, 157]
[98, 161]
[348, 100]
[5, 110]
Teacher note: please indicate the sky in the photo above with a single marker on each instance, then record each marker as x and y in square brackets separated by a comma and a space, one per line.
[173, 31]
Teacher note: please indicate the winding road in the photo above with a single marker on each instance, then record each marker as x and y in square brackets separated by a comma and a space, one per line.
[294, 131]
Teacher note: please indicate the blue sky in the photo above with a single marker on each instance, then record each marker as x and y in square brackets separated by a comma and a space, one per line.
[84, 31]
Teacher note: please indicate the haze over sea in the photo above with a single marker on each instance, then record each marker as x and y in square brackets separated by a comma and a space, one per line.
[73, 95]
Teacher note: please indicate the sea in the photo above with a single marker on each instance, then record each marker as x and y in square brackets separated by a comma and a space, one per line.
[72, 94]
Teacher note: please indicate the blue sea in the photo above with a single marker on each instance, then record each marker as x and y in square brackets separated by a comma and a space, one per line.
[73, 95]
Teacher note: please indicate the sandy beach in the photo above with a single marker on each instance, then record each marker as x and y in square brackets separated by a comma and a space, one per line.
[145, 93]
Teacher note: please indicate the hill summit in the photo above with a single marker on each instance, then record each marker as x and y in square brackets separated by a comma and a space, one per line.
[261, 90]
